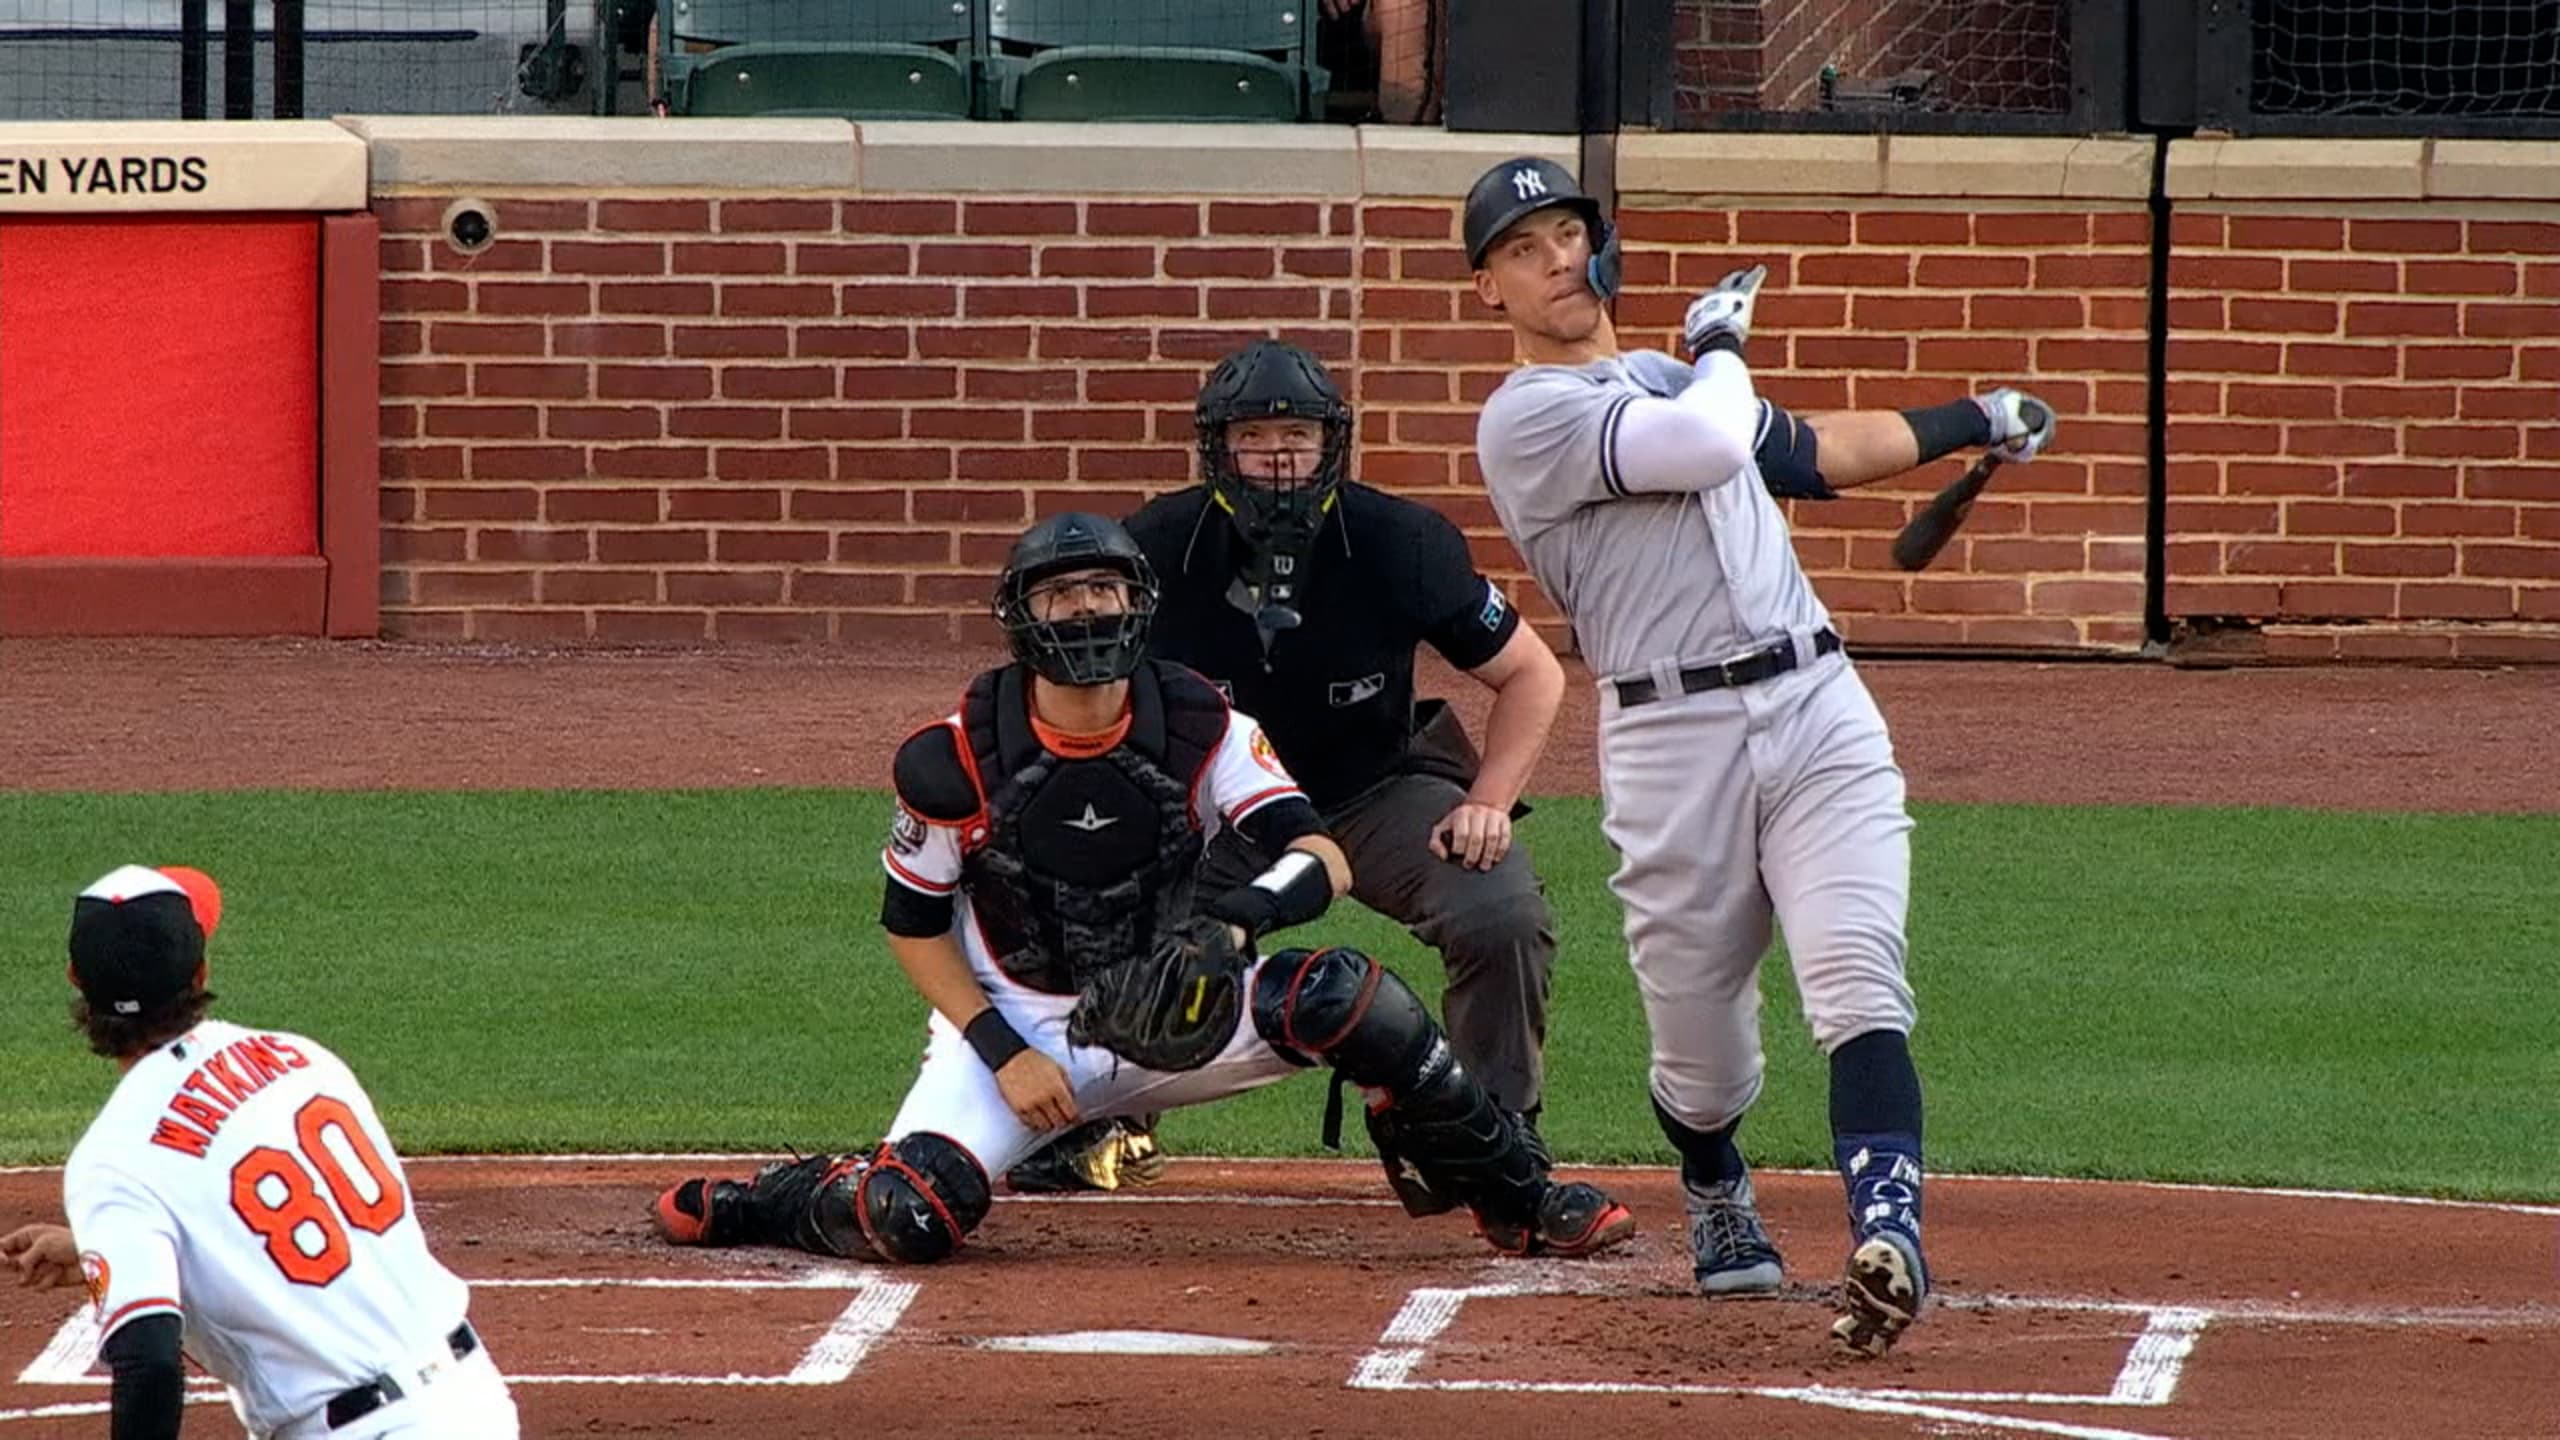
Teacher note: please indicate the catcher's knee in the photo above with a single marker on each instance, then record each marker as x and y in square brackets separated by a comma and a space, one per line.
[1346, 1010]
[913, 1201]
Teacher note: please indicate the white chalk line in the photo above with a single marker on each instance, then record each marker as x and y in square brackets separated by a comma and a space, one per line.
[736, 1157]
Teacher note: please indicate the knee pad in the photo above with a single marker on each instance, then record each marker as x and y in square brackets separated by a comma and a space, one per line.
[1350, 1012]
[912, 1201]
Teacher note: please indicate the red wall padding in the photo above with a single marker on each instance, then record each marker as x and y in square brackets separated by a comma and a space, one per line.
[159, 387]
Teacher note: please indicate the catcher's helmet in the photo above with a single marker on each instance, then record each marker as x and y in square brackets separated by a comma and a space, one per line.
[1081, 649]
[1277, 515]
[1515, 188]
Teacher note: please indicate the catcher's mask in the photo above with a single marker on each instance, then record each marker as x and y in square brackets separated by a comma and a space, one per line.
[1279, 514]
[1085, 649]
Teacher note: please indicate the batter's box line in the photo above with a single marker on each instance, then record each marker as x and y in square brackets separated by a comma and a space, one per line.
[877, 1304]
[2148, 1377]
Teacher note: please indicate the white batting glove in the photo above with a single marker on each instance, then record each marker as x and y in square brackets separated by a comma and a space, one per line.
[2021, 424]
[1724, 310]
[1660, 374]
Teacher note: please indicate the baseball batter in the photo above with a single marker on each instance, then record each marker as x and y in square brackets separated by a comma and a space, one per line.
[1746, 774]
[237, 1199]
[1039, 897]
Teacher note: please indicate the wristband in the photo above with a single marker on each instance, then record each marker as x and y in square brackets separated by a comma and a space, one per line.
[994, 1038]
[1945, 429]
[1293, 891]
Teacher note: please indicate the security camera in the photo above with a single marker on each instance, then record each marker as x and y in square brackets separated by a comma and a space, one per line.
[469, 226]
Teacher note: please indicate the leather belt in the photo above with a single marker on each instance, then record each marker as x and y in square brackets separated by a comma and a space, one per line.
[1767, 662]
[353, 1405]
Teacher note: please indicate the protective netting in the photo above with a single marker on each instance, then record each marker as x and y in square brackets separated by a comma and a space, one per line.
[2405, 57]
[2010, 57]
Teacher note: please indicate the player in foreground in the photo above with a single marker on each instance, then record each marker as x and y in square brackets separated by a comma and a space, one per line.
[237, 1201]
[1039, 897]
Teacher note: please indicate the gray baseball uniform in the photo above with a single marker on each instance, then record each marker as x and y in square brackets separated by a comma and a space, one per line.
[1646, 520]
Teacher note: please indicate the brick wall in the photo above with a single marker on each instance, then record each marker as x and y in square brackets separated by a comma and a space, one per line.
[2365, 430]
[1769, 54]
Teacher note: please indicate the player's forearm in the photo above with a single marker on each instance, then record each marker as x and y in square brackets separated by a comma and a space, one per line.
[1337, 865]
[1515, 732]
[1696, 441]
[1861, 447]
[941, 974]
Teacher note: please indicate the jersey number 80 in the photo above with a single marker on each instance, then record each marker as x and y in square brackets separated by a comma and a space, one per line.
[272, 1191]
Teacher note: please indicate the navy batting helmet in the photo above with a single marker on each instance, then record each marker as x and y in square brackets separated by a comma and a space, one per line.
[1081, 649]
[1513, 189]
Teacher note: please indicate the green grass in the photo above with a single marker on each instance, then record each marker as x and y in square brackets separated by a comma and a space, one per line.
[2267, 997]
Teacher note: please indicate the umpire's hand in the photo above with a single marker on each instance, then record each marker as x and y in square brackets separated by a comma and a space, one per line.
[1036, 1090]
[1475, 835]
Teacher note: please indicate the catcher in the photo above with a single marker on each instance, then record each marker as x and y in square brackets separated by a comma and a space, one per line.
[1039, 897]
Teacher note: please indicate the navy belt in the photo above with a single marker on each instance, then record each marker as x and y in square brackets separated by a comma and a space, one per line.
[353, 1405]
[1768, 662]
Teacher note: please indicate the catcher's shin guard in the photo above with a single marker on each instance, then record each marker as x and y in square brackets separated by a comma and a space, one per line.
[1443, 1141]
[914, 1201]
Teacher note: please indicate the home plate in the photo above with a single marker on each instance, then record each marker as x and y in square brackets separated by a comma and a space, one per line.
[1126, 1342]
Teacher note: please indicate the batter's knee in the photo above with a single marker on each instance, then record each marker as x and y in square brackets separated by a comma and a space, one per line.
[1706, 1100]
[913, 1201]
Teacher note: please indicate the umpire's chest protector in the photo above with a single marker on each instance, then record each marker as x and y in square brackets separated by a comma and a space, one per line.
[1086, 861]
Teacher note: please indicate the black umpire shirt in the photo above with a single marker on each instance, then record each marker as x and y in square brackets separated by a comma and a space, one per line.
[1336, 694]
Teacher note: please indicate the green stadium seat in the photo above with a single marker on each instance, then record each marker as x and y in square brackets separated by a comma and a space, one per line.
[858, 59]
[1172, 60]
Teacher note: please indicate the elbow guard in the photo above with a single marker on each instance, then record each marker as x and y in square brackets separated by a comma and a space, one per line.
[1789, 457]
[1295, 890]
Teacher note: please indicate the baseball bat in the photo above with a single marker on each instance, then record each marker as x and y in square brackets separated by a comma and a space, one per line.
[1937, 523]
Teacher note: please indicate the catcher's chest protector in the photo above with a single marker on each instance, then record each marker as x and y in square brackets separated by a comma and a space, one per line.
[1086, 861]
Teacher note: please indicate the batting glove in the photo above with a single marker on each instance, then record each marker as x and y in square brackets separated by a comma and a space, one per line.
[1721, 318]
[2021, 424]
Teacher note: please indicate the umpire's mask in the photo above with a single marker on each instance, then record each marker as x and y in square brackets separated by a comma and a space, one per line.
[1280, 509]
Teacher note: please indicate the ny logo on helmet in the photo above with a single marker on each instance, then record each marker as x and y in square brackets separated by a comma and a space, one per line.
[1526, 182]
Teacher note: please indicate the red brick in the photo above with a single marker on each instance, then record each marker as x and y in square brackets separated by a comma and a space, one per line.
[581, 505]
[845, 422]
[1143, 218]
[2504, 403]
[1167, 466]
[2313, 276]
[2514, 237]
[1265, 303]
[498, 381]
[2542, 279]
[428, 381]
[2286, 232]
[1901, 314]
[2308, 357]
[2340, 440]
[2405, 236]
[1059, 342]
[1183, 262]
[1793, 227]
[654, 382]
[724, 422]
[615, 216]
[810, 505]
[1180, 302]
[1019, 385]
[473, 587]
[2457, 602]
[988, 302]
[657, 546]
[2126, 314]
[598, 587]
[819, 257]
[747, 216]
[519, 546]
[768, 627]
[2542, 522]
[2216, 271]
[769, 547]
[1788, 311]
[397, 422]
[974, 342]
[2474, 441]
[870, 342]
[2264, 477]
[404, 546]
[2416, 482]
[1922, 227]
[1120, 262]
[748, 463]
[1677, 227]
[2399, 560]
[651, 627]
[2249, 601]
[2328, 517]
[410, 297]
[466, 337]
[2511, 320]
[988, 466]
[2092, 272]
[2302, 402]
[2129, 228]
[650, 462]
[626, 298]
[929, 422]
[506, 257]
[902, 300]
[893, 549]
[528, 462]
[581, 337]
[2281, 557]
[486, 422]
[980, 506]
[1460, 347]
[749, 299]
[734, 342]
[2312, 316]
[1409, 222]
[1236, 217]
[1697, 269]
[2023, 312]
[2468, 362]
[1944, 595]
[1856, 270]
[2402, 402]
[724, 587]
[902, 382]
[2080, 357]
[2191, 228]
[2472, 519]
[608, 257]
[2461, 277]
[1846, 352]
[898, 628]
[2511, 562]
[2538, 362]
[541, 216]
[2085, 597]
[1011, 217]
[1972, 272]
[533, 297]
[2511, 482]
[1316, 264]
[884, 463]
[2337, 600]
[1114, 425]
[1162, 386]
[901, 217]
[1992, 228]
[1973, 356]
[1431, 264]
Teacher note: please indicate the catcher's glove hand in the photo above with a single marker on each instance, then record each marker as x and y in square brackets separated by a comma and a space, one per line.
[1172, 1010]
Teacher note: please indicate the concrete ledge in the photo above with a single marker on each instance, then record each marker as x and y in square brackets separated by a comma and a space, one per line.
[1403, 161]
[621, 153]
[244, 165]
[1706, 163]
[930, 157]
[2297, 169]
[2494, 170]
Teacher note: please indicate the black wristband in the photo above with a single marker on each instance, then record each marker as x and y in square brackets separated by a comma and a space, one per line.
[1945, 429]
[1724, 340]
[1249, 907]
[1296, 889]
[994, 1038]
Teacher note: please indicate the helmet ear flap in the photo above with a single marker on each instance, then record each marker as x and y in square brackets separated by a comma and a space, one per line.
[1603, 271]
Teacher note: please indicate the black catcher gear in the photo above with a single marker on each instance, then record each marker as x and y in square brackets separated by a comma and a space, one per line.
[1278, 516]
[1514, 189]
[1172, 1009]
[1086, 649]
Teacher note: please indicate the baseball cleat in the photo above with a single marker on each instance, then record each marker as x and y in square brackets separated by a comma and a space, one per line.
[701, 1211]
[1732, 1251]
[1881, 1295]
[1110, 1154]
[1575, 1220]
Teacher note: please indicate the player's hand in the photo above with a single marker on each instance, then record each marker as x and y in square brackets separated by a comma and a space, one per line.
[2021, 424]
[1475, 835]
[1724, 310]
[1035, 1088]
[44, 1255]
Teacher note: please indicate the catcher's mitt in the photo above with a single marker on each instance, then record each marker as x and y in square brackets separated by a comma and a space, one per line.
[1172, 1010]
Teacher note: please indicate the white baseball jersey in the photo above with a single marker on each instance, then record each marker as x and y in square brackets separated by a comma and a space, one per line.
[240, 1180]
[925, 855]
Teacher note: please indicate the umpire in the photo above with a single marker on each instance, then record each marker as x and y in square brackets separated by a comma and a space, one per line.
[1302, 594]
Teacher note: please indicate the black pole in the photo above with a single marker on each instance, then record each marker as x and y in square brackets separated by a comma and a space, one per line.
[194, 39]
[288, 59]
[239, 60]
[1598, 111]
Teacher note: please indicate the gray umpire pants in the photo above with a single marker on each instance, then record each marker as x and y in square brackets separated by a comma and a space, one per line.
[1494, 932]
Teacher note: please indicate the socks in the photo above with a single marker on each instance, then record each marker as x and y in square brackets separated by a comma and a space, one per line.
[1707, 1157]
[1875, 1131]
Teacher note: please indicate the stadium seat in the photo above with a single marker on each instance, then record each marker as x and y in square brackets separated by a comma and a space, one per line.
[1247, 60]
[858, 59]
